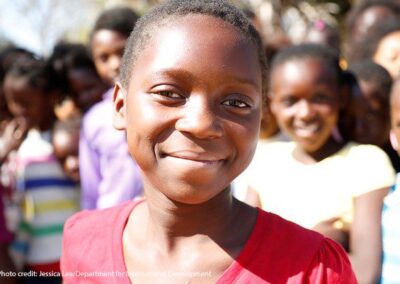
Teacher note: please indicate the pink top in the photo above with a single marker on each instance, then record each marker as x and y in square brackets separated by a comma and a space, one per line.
[277, 251]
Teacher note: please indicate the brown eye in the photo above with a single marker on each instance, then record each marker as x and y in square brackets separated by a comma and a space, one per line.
[170, 94]
[236, 103]
[288, 101]
[103, 58]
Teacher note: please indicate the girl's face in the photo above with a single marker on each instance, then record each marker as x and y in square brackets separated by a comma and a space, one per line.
[107, 50]
[305, 101]
[192, 108]
[388, 54]
[29, 102]
[87, 88]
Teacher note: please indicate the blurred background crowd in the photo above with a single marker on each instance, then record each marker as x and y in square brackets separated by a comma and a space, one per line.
[59, 152]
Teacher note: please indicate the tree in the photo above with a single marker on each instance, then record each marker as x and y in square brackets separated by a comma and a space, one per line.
[38, 24]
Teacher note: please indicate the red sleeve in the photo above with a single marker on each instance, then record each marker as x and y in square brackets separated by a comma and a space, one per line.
[331, 265]
[71, 237]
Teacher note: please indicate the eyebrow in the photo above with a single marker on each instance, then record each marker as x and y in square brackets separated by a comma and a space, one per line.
[229, 77]
[173, 73]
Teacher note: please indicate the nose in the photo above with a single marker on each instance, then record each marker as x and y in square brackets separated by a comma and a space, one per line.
[199, 119]
[305, 110]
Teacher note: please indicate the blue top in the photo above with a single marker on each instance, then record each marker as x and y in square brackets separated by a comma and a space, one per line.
[391, 235]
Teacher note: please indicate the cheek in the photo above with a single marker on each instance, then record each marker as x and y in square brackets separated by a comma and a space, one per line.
[332, 114]
[146, 128]
[283, 116]
[101, 67]
[245, 137]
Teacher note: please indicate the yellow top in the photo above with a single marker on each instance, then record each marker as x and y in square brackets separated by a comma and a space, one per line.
[310, 194]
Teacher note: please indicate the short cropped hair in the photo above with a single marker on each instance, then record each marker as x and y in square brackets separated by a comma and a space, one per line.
[328, 56]
[171, 10]
[369, 71]
[118, 19]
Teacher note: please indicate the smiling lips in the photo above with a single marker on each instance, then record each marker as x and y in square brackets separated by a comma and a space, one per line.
[307, 130]
[189, 156]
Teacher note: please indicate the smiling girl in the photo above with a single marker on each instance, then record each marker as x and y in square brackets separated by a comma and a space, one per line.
[189, 99]
[332, 187]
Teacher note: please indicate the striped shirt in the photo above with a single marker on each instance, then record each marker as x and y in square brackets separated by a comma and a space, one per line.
[391, 236]
[48, 199]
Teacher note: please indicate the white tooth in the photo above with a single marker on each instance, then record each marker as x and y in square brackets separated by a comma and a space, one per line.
[307, 129]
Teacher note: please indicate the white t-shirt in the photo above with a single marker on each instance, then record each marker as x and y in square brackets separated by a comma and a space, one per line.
[310, 194]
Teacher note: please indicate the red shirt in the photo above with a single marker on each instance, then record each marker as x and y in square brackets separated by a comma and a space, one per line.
[277, 251]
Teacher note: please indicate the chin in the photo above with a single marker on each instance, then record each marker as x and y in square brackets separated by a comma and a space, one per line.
[197, 196]
[191, 194]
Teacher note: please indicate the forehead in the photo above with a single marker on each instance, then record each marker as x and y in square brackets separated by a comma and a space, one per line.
[391, 40]
[19, 86]
[194, 41]
[105, 38]
[304, 70]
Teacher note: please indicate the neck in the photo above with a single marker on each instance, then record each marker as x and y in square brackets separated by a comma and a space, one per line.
[327, 150]
[169, 220]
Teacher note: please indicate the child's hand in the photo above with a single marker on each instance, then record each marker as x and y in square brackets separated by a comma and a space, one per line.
[12, 137]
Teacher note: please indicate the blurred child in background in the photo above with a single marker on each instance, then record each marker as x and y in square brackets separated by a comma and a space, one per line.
[382, 44]
[12, 132]
[108, 174]
[363, 18]
[81, 80]
[371, 108]
[321, 183]
[48, 196]
[66, 146]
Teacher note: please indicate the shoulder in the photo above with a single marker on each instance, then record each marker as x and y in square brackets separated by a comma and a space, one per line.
[292, 235]
[331, 263]
[95, 220]
[288, 253]
[364, 153]
[95, 234]
[370, 166]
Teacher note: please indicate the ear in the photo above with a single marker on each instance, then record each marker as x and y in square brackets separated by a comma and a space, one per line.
[393, 141]
[119, 118]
